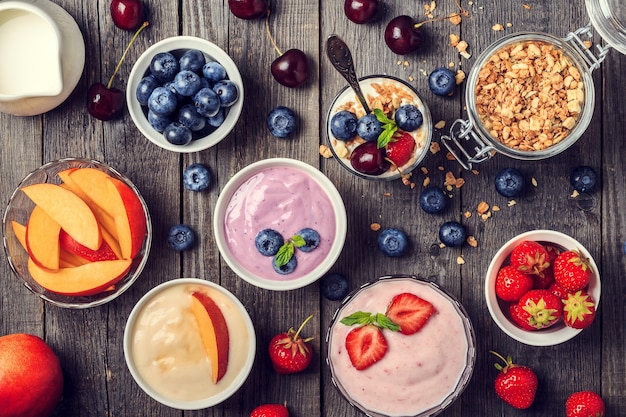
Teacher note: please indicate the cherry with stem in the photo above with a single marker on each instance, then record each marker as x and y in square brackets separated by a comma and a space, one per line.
[291, 68]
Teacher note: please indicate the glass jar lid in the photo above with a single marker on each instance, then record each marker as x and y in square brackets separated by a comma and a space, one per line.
[609, 20]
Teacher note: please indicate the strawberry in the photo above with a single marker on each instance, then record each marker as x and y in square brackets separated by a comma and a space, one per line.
[517, 317]
[515, 384]
[578, 310]
[540, 308]
[366, 345]
[553, 252]
[400, 148]
[557, 290]
[584, 404]
[289, 352]
[529, 257]
[409, 311]
[572, 270]
[270, 410]
[512, 284]
[543, 279]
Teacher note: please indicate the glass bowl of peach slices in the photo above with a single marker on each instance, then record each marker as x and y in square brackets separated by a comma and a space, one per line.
[77, 232]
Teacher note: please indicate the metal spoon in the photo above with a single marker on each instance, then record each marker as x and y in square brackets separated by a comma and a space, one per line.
[341, 58]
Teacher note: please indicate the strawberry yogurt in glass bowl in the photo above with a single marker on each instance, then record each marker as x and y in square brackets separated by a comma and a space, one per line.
[292, 212]
[428, 359]
[397, 155]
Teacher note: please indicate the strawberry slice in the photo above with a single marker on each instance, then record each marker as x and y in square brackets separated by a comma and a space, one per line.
[366, 345]
[409, 311]
[400, 148]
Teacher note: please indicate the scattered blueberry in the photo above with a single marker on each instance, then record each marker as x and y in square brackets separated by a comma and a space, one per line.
[509, 182]
[207, 102]
[214, 71]
[288, 268]
[334, 286]
[196, 177]
[177, 133]
[227, 92]
[343, 125]
[583, 178]
[164, 66]
[268, 242]
[393, 242]
[181, 237]
[369, 128]
[311, 238]
[162, 101]
[192, 60]
[282, 122]
[159, 123]
[187, 83]
[408, 117]
[188, 115]
[433, 200]
[452, 234]
[145, 87]
[442, 81]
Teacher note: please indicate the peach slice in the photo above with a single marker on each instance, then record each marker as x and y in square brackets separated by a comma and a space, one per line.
[20, 233]
[104, 252]
[69, 211]
[93, 183]
[66, 259]
[213, 331]
[129, 217]
[89, 279]
[42, 239]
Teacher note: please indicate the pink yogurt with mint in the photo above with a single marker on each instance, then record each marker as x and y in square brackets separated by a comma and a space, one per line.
[287, 200]
[421, 373]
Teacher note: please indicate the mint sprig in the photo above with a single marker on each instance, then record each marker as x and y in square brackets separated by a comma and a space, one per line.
[362, 318]
[288, 249]
[389, 128]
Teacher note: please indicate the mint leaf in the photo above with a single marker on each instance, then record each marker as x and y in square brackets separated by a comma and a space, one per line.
[360, 317]
[382, 117]
[284, 255]
[386, 323]
[389, 128]
[298, 241]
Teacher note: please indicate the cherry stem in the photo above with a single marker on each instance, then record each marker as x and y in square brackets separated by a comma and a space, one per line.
[462, 12]
[269, 33]
[119, 64]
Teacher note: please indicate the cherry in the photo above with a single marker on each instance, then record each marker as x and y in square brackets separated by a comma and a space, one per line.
[368, 159]
[291, 69]
[402, 35]
[103, 101]
[127, 14]
[248, 9]
[361, 11]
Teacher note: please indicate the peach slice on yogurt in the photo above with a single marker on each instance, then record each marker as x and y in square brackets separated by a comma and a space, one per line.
[213, 331]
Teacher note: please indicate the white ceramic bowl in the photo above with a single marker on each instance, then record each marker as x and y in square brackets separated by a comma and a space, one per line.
[557, 333]
[177, 45]
[334, 210]
[234, 312]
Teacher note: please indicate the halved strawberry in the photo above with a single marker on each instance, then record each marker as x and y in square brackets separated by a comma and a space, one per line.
[579, 310]
[366, 345]
[409, 311]
[400, 148]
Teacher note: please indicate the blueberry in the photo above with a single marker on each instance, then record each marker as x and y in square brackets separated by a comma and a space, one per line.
[218, 119]
[334, 286]
[509, 182]
[188, 115]
[268, 242]
[187, 83]
[159, 123]
[343, 125]
[162, 101]
[369, 128]
[164, 66]
[170, 86]
[452, 234]
[177, 134]
[207, 102]
[145, 87]
[409, 118]
[583, 178]
[181, 237]
[311, 238]
[442, 82]
[192, 60]
[282, 122]
[227, 92]
[433, 200]
[288, 268]
[197, 177]
[214, 71]
[393, 242]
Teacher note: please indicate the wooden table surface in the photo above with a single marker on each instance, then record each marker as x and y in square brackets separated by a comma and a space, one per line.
[89, 342]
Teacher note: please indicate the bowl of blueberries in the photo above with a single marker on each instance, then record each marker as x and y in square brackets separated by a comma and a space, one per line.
[185, 94]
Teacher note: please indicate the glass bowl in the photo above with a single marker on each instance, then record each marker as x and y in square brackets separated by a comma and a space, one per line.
[19, 210]
[557, 333]
[177, 46]
[421, 374]
[391, 92]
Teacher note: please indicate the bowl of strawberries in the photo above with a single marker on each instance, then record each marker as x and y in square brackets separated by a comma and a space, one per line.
[542, 288]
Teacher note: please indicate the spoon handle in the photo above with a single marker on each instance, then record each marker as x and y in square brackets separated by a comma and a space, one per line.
[341, 58]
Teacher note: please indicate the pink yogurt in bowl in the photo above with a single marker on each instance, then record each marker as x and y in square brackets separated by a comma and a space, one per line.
[421, 374]
[285, 195]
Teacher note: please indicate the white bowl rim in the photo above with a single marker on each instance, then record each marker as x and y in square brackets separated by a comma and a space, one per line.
[206, 402]
[172, 44]
[340, 223]
[552, 335]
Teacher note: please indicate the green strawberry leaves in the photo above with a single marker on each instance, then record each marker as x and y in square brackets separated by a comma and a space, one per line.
[362, 318]
[389, 128]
